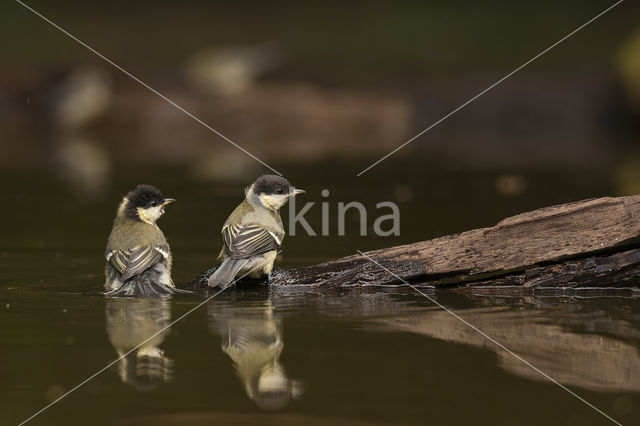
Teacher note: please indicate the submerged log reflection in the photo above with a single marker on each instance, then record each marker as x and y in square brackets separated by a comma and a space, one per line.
[576, 346]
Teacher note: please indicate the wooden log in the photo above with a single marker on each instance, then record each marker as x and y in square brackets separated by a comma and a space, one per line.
[587, 243]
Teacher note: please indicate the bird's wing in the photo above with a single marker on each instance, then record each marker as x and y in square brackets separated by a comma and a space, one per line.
[242, 241]
[136, 260]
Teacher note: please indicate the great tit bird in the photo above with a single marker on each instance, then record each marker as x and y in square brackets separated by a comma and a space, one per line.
[138, 255]
[253, 233]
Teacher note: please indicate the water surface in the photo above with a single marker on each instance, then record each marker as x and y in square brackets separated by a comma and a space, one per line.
[296, 355]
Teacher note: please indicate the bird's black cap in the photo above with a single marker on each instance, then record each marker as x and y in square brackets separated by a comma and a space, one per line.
[144, 196]
[271, 184]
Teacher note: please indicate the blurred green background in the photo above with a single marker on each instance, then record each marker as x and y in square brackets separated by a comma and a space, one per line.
[297, 82]
[318, 90]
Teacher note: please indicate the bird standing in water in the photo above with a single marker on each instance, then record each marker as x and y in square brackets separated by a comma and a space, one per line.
[254, 232]
[138, 255]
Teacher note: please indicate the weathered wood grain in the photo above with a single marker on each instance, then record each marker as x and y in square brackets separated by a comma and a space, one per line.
[553, 245]
[620, 269]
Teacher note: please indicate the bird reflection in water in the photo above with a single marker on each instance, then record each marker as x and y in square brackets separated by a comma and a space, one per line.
[131, 321]
[252, 337]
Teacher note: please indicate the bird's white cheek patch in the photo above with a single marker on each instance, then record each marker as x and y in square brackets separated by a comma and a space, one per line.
[273, 202]
[151, 214]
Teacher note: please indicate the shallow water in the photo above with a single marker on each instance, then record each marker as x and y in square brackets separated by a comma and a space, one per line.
[297, 356]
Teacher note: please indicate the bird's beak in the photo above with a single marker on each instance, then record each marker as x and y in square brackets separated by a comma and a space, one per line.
[296, 191]
[168, 201]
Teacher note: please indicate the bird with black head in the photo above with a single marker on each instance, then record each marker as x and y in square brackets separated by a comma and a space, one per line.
[253, 232]
[138, 256]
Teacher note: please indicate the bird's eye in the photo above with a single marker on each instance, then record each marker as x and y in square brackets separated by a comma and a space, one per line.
[280, 190]
[154, 203]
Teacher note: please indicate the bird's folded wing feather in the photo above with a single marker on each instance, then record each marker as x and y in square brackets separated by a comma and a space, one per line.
[136, 260]
[243, 241]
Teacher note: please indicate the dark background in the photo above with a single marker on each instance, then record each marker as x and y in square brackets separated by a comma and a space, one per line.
[318, 90]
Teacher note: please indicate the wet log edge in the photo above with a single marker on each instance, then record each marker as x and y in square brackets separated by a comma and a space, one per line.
[589, 243]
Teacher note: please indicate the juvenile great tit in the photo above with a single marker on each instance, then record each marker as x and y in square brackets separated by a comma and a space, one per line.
[253, 233]
[138, 255]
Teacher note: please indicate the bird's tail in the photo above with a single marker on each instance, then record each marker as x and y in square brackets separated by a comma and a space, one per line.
[143, 286]
[226, 272]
